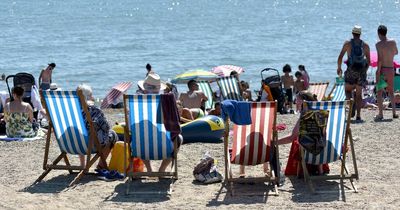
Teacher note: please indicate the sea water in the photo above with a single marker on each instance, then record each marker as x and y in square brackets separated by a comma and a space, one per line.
[103, 42]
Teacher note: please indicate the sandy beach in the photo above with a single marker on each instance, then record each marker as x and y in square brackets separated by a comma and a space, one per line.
[375, 145]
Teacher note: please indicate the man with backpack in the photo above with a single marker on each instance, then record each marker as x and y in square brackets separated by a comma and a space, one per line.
[386, 49]
[357, 65]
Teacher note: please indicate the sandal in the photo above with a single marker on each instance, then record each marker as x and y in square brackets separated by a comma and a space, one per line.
[395, 116]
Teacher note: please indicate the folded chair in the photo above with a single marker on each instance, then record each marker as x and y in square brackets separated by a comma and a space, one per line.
[338, 92]
[230, 88]
[205, 87]
[64, 109]
[254, 144]
[318, 89]
[146, 135]
[338, 135]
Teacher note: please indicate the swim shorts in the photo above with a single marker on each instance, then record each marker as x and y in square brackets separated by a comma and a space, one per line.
[289, 94]
[355, 76]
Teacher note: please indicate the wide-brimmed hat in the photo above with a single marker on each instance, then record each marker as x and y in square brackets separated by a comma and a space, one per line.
[53, 86]
[153, 82]
[356, 29]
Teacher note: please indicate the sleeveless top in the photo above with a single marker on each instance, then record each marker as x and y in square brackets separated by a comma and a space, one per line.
[18, 124]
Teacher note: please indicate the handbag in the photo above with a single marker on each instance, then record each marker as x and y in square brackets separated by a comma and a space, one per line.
[312, 135]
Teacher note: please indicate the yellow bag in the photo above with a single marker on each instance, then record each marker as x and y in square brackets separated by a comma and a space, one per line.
[117, 159]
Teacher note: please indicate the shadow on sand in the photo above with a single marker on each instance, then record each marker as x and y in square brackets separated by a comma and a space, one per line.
[57, 184]
[147, 191]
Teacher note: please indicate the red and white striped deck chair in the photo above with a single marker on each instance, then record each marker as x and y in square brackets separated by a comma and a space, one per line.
[116, 91]
[319, 89]
[254, 144]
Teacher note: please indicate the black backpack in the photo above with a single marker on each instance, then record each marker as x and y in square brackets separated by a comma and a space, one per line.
[357, 59]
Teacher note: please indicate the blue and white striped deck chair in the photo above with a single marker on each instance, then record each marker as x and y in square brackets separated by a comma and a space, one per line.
[338, 92]
[230, 88]
[205, 87]
[146, 135]
[338, 136]
[64, 109]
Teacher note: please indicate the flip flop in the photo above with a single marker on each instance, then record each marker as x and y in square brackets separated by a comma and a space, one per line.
[378, 118]
[395, 116]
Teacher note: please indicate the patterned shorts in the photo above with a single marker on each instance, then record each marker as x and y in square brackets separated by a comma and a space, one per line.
[355, 77]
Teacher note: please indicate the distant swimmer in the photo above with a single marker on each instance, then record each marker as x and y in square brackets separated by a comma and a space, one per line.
[45, 77]
[386, 49]
[357, 65]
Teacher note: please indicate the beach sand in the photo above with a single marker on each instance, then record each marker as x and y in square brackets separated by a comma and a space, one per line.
[376, 146]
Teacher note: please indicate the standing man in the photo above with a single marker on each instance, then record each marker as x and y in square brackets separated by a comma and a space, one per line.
[386, 49]
[45, 77]
[358, 61]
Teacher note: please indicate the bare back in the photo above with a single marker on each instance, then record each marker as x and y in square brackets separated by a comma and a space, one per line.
[387, 49]
[287, 81]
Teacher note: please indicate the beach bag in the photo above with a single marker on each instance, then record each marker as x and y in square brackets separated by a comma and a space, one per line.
[312, 135]
[206, 171]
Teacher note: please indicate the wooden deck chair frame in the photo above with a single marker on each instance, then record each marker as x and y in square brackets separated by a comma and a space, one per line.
[271, 178]
[93, 143]
[321, 93]
[222, 86]
[348, 139]
[334, 91]
[206, 89]
[137, 175]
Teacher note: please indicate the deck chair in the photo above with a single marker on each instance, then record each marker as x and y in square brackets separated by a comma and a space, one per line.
[147, 137]
[254, 144]
[64, 109]
[318, 89]
[205, 87]
[338, 92]
[230, 88]
[338, 137]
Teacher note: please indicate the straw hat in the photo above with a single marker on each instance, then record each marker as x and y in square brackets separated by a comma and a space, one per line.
[152, 83]
[356, 29]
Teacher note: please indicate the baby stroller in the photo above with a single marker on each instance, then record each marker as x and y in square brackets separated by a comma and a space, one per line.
[26, 81]
[272, 78]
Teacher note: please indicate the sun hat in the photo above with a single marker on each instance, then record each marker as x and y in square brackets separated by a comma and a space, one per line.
[356, 29]
[53, 86]
[151, 83]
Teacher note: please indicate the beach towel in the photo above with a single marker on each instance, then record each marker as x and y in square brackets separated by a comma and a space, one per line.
[40, 135]
[238, 111]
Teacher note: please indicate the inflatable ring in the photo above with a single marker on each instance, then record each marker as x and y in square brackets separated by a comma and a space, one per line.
[208, 129]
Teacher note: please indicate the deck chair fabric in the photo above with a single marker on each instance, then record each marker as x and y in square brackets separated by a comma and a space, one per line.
[254, 144]
[230, 88]
[150, 139]
[205, 87]
[112, 96]
[318, 89]
[147, 136]
[338, 135]
[338, 92]
[64, 109]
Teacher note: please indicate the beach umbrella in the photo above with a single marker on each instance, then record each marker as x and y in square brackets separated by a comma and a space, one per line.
[225, 70]
[116, 91]
[197, 74]
[373, 55]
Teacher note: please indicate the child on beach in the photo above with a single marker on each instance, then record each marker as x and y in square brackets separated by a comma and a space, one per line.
[305, 76]
[288, 83]
[45, 77]
[217, 110]
[246, 92]
[299, 86]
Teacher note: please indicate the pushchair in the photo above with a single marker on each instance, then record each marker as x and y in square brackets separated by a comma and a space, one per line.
[271, 77]
[26, 81]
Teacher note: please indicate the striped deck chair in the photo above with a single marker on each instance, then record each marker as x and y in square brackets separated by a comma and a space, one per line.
[338, 137]
[230, 88]
[64, 109]
[318, 89]
[254, 144]
[151, 140]
[338, 93]
[113, 95]
[205, 87]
